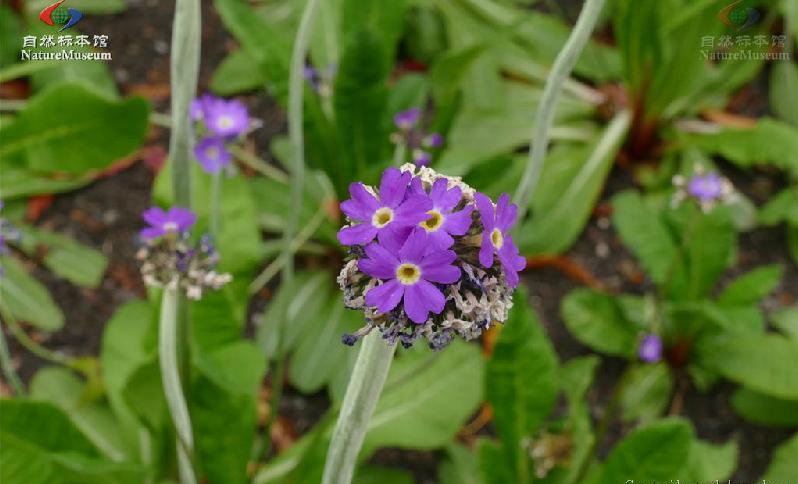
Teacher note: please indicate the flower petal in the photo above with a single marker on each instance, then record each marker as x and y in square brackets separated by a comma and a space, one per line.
[386, 296]
[442, 274]
[486, 251]
[506, 217]
[414, 248]
[151, 233]
[363, 196]
[360, 234]
[458, 223]
[449, 198]
[412, 211]
[420, 298]
[357, 211]
[154, 216]
[486, 213]
[393, 187]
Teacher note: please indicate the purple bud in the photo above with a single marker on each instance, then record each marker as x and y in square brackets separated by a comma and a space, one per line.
[650, 349]
[434, 140]
[421, 158]
[406, 120]
[706, 188]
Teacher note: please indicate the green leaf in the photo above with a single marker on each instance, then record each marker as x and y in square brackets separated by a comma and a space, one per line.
[781, 207]
[65, 256]
[647, 391]
[382, 475]
[385, 19]
[709, 462]
[459, 466]
[237, 73]
[784, 91]
[659, 450]
[521, 382]
[70, 129]
[563, 204]
[784, 465]
[786, 319]
[360, 101]
[94, 419]
[27, 299]
[752, 287]
[596, 320]
[764, 409]
[427, 398]
[765, 363]
[492, 463]
[643, 230]
[770, 141]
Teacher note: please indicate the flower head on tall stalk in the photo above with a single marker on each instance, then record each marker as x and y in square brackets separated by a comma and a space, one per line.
[425, 277]
[411, 137]
[706, 189]
[169, 258]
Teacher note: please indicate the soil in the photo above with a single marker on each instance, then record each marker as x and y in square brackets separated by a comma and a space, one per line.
[105, 215]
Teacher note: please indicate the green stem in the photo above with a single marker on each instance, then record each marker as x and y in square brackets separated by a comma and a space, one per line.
[362, 393]
[8, 367]
[563, 65]
[258, 164]
[278, 375]
[399, 153]
[216, 194]
[173, 389]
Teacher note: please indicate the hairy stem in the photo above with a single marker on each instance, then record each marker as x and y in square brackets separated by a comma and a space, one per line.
[362, 393]
[563, 65]
[173, 389]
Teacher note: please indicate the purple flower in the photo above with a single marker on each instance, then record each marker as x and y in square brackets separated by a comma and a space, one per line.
[391, 216]
[176, 220]
[443, 222]
[496, 237]
[226, 118]
[421, 158]
[434, 140]
[706, 188]
[651, 349]
[212, 154]
[406, 120]
[409, 275]
[197, 108]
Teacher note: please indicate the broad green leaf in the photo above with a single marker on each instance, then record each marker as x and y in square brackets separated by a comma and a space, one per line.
[647, 392]
[751, 287]
[786, 319]
[659, 450]
[784, 466]
[492, 464]
[427, 398]
[382, 475]
[576, 377]
[596, 320]
[11, 34]
[784, 91]
[69, 129]
[709, 462]
[521, 382]
[783, 207]
[237, 73]
[459, 466]
[143, 395]
[360, 100]
[564, 202]
[26, 298]
[385, 19]
[65, 256]
[770, 141]
[94, 419]
[765, 363]
[764, 409]
[643, 230]
[639, 35]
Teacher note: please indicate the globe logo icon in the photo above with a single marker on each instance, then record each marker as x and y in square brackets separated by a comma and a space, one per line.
[57, 14]
[60, 15]
[737, 15]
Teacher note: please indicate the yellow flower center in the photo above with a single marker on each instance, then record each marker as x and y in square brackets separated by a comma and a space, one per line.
[212, 152]
[225, 122]
[434, 222]
[408, 274]
[497, 238]
[382, 217]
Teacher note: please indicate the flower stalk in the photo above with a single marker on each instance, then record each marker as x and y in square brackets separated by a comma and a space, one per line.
[362, 393]
[173, 389]
[563, 65]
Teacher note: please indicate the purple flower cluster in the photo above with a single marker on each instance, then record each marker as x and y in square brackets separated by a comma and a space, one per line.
[413, 138]
[422, 257]
[707, 189]
[650, 350]
[224, 121]
[169, 258]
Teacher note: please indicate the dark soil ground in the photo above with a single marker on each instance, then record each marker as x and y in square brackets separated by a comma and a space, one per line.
[105, 215]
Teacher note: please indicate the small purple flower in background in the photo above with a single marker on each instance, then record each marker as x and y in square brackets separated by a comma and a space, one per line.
[650, 349]
[321, 81]
[496, 238]
[407, 120]
[212, 154]
[391, 216]
[408, 276]
[434, 140]
[226, 118]
[428, 260]
[443, 221]
[421, 157]
[177, 220]
[197, 108]
[170, 258]
[706, 189]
